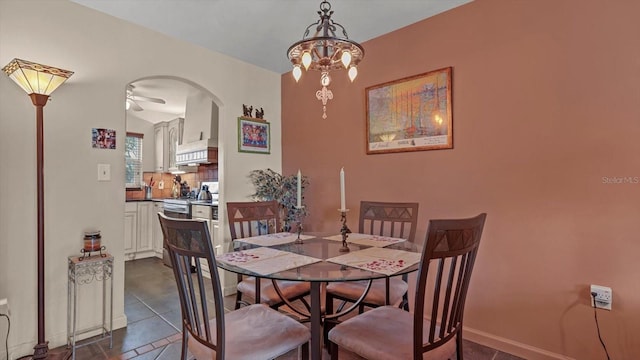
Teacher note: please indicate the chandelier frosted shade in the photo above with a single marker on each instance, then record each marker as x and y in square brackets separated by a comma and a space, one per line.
[35, 78]
[353, 72]
[297, 72]
[325, 46]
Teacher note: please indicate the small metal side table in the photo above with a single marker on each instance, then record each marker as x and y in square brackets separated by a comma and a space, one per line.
[84, 271]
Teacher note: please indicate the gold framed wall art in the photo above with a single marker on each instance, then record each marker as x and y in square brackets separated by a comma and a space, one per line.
[410, 114]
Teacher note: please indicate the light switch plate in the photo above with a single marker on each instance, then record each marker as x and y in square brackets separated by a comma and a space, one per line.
[104, 172]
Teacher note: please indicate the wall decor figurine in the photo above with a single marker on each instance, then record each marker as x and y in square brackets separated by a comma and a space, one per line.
[259, 113]
[247, 110]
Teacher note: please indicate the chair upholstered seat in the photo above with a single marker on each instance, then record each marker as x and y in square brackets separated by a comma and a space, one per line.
[268, 294]
[377, 293]
[434, 329]
[253, 332]
[397, 332]
[247, 335]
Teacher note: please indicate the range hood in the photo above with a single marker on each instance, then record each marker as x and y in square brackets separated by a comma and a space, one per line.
[200, 132]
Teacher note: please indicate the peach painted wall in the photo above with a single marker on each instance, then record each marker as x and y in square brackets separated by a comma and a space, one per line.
[546, 104]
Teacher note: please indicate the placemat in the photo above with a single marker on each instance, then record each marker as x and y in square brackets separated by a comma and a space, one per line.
[380, 260]
[265, 261]
[274, 239]
[368, 240]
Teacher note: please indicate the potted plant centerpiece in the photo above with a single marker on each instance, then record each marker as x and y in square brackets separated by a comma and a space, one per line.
[271, 185]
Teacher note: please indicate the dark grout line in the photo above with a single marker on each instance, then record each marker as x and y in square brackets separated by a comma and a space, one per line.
[157, 313]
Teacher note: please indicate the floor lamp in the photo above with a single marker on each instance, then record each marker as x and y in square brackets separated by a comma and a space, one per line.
[39, 81]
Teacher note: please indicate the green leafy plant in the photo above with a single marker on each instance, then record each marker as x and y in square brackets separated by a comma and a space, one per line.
[271, 185]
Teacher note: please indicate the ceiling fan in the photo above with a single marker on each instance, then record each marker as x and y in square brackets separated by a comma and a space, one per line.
[133, 99]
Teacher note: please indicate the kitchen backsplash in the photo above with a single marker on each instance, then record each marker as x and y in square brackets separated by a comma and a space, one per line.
[205, 173]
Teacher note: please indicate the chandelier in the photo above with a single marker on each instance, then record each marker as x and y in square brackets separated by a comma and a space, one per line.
[329, 48]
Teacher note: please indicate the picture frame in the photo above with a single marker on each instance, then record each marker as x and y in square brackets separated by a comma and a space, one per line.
[410, 114]
[254, 136]
[103, 138]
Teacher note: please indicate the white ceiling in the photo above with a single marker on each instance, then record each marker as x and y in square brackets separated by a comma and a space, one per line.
[260, 31]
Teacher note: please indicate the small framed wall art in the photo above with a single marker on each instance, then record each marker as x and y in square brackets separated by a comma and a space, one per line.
[103, 138]
[254, 136]
[410, 114]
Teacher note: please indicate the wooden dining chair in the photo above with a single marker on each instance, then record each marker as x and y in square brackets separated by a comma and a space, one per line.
[443, 280]
[392, 219]
[247, 219]
[207, 332]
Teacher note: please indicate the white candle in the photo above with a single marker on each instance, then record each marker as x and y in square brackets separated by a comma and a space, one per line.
[299, 204]
[343, 206]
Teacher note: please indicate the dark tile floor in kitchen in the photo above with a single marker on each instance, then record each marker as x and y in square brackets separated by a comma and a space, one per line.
[153, 313]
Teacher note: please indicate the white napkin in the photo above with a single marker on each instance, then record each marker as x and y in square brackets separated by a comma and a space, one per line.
[380, 260]
[265, 261]
[368, 240]
[274, 239]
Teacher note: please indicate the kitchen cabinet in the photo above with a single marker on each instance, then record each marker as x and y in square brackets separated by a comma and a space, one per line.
[130, 227]
[138, 242]
[204, 212]
[174, 137]
[158, 238]
[161, 147]
[144, 227]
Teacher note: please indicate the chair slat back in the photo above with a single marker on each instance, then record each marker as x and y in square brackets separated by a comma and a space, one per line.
[189, 243]
[247, 219]
[394, 219]
[444, 275]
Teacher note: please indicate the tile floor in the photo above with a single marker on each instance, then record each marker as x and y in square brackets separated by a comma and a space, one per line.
[153, 313]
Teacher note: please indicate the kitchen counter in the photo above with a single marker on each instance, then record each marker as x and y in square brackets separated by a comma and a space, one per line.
[139, 200]
[193, 202]
[203, 202]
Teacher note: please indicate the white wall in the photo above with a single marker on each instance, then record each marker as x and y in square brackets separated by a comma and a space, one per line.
[137, 125]
[106, 54]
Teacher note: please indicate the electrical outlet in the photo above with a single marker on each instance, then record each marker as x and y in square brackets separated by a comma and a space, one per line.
[4, 306]
[603, 298]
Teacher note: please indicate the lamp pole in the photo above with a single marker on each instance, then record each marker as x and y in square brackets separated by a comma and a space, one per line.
[39, 101]
[39, 81]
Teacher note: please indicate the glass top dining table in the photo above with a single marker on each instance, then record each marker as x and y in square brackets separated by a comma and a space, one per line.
[317, 246]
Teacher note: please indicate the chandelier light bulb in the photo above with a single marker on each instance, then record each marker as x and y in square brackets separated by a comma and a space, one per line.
[346, 58]
[325, 80]
[127, 105]
[306, 60]
[297, 72]
[353, 72]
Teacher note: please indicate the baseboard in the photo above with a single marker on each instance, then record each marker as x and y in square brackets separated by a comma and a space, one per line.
[511, 347]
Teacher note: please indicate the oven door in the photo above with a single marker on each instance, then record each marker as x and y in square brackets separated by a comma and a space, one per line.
[175, 214]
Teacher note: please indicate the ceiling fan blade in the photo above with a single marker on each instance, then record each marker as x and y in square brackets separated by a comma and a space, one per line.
[149, 99]
[134, 105]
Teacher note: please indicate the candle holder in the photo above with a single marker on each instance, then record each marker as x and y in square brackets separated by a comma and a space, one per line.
[299, 218]
[344, 230]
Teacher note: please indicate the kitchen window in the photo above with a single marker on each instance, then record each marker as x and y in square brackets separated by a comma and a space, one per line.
[133, 160]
